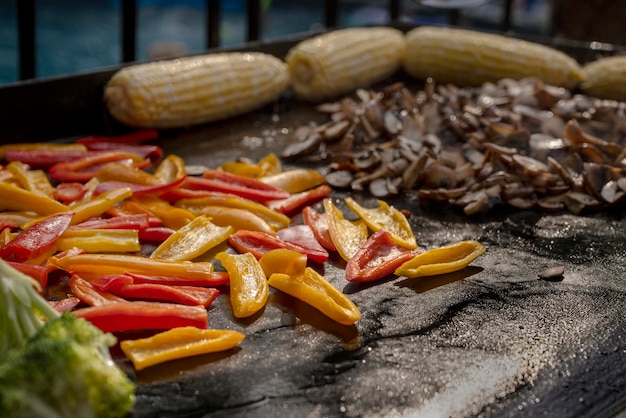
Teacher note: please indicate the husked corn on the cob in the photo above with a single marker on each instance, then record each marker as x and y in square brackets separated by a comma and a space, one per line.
[606, 78]
[193, 90]
[466, 57]
[338, 62]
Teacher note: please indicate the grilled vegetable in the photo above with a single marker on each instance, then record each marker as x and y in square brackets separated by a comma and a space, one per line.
[606, 78]
[467, 57]
[341, 61]
[193, 90]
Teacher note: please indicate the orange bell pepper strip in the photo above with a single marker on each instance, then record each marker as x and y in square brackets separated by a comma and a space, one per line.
[319, 224]
[90, 265]
[297, 201]
[100, 240]
[85, 168]
[16, 198]
[178, 343]
[283, 260]
[296, 180]
[37, 239]
[88, 294]
[192, 240]
[312, 288]
[238, 219]
[386, 217]
[248, 285]
[348, 236]
[447, 259]
[379, 257]
[141, 315]
[172, 216]
[170, 169]
[275, 219]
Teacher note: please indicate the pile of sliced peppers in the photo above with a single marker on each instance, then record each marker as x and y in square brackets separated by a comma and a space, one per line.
[141, 245]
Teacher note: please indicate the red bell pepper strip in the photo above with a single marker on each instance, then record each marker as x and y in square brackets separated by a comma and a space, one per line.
[297, 201]
[83, 169]
[45, 158]
[135, 137]
[155, 234]
[140, 315]
[88, 294]
[37, 239]
[259, 243]
[185, 295]
[216, 278]
[151, 152]
[242, 186]
[378, 258]
[319, 224]
[132, 208]
[138, 189]
[38, 273]
[303, 236]
[70, 192]
[138, 221]
[65, 304]
[8, 223]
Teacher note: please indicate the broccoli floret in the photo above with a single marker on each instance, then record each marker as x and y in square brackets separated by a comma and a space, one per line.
[64, 369]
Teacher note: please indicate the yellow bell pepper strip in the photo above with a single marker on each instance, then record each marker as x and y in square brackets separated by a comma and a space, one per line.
[123, 286]
[314, 289]
[31, 180]
[238, 219]
[88, 294]
[348, 236]
[142, 315]
[98, 205]
[296, 180]
[89, 265]
[379, 257]
[275, 219]
[297, 201]
[242, 168]
[5, 150]
[100, 240]
[5, 235]
[283, 260]
[248, 285]
[259, 243]
[171, 168]
[178, 343]
[83, 169]
[442, 260]
[303, 236]
[386, 217]
[69, 192]
[18, 199]
[319, 225]
[270, 164]
[242, 186]
[172, 216]
[37, 239]
[192, 240]
[20, 218]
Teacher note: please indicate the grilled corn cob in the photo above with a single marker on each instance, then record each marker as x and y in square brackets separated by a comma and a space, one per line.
[338, 62]
[466, 57]
[606, 78]
[193, 90]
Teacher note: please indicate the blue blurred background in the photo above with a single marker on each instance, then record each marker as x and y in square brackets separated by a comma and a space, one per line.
[77, 35]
